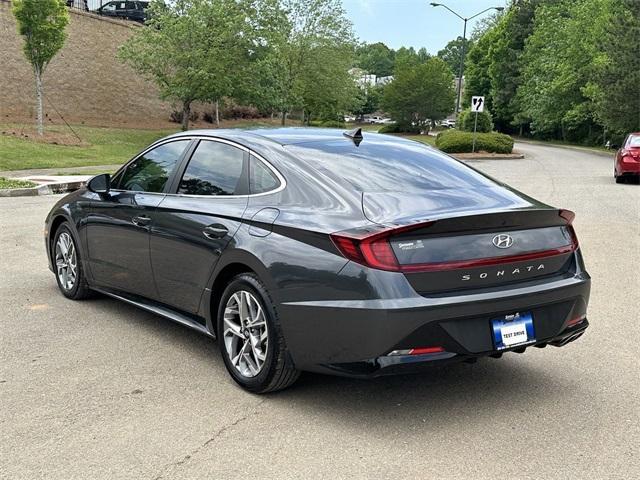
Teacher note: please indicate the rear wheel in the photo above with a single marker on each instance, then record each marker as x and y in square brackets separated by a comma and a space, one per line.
[67, 263]
[251, 342]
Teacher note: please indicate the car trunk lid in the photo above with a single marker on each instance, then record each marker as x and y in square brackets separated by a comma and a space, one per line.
[450, 240]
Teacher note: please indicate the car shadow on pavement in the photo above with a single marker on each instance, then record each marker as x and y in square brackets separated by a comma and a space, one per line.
[454, 393]
[194, 343]
[457, 393]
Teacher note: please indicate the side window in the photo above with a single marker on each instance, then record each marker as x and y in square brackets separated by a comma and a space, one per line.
[109, 7]
[261, 178]
[214, 169]
[150, 172]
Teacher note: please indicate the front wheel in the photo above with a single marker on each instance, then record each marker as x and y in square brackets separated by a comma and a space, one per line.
[67, 263]
[251, 342]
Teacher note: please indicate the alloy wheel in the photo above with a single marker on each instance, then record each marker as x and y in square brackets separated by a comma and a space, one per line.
[66, 261]
[246, 337]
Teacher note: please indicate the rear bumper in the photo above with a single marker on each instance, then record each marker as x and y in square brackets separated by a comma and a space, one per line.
[393, 365]
[629, 167]
[354, 337]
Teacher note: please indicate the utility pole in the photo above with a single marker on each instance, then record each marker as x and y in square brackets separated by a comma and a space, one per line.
[464, 41]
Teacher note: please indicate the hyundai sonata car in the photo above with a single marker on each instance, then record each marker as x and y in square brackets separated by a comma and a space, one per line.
[627, 160]
[322, 250]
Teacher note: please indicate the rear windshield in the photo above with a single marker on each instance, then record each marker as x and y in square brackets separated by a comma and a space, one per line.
[634, 141]
[383, 165]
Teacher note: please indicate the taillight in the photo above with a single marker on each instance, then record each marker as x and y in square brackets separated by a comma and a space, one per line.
[635, 153]
[576, 321]
[569, 216]
[417, 351]
[372, 248]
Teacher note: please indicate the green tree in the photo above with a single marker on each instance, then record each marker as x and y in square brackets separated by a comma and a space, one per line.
[477, 80]
[420, 93]
[42, 23]
[328, 90]
[375, 58]
[505, 62]
[559, 63]
[423, 55]
[406, 57]
[452, 52]
[191, 49]
[309, 60]
[368, 100]
[616, 84]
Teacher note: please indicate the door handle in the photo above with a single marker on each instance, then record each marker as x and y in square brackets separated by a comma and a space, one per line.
[141, 220]
[216, 231]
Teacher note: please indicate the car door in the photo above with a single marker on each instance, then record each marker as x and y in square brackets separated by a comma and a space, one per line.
[194, 225]
[118, 224]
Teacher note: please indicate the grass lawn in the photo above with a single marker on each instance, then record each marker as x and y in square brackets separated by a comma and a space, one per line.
[11, 183]
[98, 146]
[428, 139]
[101, 146]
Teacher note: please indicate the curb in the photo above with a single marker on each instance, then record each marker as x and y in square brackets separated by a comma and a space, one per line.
[507, 156]
[47, 189]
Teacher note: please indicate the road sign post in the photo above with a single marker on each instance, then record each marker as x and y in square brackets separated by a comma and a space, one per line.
[477, 105]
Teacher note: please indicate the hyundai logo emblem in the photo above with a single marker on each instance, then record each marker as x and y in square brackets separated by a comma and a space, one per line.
[503, 240]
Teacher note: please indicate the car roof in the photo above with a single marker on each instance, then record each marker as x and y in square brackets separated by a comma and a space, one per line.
[284, 136]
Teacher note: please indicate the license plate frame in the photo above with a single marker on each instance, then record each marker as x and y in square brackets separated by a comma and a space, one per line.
[513, 330]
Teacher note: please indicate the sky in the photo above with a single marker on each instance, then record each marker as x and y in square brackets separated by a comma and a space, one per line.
[413, 23]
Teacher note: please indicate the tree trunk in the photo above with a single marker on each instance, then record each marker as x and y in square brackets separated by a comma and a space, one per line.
[186, 113]
[284, 118]
[39, 95]
[217, 113]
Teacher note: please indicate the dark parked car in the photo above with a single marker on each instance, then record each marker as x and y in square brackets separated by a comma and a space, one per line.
[125, 9]
[627, 161]
[312, 249]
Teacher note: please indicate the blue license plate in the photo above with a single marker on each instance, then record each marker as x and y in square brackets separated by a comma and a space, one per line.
[513, 330]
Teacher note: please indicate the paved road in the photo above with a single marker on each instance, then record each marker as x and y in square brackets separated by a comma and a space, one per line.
[98, 389]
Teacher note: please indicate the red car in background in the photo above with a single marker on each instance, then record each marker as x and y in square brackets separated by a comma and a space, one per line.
[627, 162]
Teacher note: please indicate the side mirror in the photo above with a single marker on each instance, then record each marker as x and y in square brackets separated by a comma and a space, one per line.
[100, 184]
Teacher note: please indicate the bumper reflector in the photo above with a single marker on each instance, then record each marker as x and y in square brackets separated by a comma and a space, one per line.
[417, 351]
[575, 321]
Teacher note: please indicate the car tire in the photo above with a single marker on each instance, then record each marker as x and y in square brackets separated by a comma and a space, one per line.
[253, 348]
[620, 179]
[68, 267]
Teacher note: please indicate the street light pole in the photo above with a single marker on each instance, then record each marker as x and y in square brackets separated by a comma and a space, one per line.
[464, 41]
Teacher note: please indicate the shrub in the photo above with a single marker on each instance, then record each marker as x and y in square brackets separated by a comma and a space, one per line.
[176, 116]
[209, 117]
[332, 124]
[466, 120]
[234, 111]
[327, 123]
[400, 128]
[455, 141]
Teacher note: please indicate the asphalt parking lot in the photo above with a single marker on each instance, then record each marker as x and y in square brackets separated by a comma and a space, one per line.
[99, 389]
